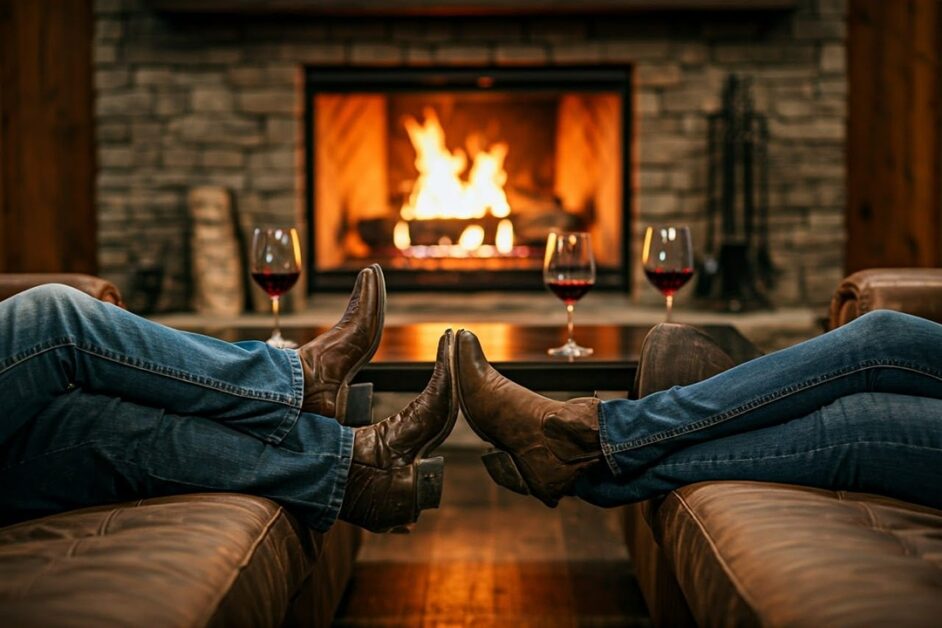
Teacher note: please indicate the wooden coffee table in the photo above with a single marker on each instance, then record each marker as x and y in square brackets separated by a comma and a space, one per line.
[406, 354]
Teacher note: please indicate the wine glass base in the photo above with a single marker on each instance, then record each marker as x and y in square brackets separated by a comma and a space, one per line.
[570, 350]
[280, 342]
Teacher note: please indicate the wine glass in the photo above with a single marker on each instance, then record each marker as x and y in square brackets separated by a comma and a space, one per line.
[276, 266]
[569, 272]
[667, 256]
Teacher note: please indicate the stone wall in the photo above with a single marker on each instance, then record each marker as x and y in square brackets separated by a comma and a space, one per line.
[188, 100]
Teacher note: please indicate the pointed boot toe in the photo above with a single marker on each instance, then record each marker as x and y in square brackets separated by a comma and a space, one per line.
[391, 478]
[332, 360]
[542, 445]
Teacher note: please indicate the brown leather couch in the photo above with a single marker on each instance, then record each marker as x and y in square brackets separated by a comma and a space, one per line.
[762, 554]
[214, 559]
[12, 283]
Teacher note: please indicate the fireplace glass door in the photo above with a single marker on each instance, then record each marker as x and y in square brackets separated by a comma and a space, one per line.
[452, 179]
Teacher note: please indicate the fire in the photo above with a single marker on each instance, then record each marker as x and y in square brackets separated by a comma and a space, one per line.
[471, 238]
[485, 187]
[505, 237]
[401, 237]
[440, 192]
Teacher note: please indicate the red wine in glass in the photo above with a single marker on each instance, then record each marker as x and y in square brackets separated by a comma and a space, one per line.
[570, 290]
[569, 272]
[276, 283]
[276, 265]
[667, 256]
[669, 281]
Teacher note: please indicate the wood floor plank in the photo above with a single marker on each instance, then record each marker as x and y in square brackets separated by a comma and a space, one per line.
[489, 557]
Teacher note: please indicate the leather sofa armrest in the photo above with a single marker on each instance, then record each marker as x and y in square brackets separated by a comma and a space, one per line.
[916, 291]
[12, 283]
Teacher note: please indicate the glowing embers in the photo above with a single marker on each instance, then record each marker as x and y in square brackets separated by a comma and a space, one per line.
[446, 215]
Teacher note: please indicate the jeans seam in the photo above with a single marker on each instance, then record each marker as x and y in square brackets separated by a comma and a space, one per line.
[178, 375]
[607, 450]
[32, 352]
[342, 473]
[297, 387]
[765, 400]
[141, 365]
[674, 465]
[47, 452]
[328, 512]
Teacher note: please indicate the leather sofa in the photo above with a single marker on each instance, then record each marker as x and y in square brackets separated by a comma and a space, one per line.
[213, 559]
[762, 554]
[12, 283]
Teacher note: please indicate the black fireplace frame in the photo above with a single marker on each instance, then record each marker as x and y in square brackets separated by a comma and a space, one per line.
[319, 79]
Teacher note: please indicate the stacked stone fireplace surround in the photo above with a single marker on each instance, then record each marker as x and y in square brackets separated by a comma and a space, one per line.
[188, 100]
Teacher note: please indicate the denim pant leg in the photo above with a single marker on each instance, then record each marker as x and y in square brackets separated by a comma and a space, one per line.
[85, 449]
[54, 338]
[871, 442]
[882, 351]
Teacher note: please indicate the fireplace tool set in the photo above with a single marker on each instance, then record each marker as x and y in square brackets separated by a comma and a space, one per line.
[736, 269]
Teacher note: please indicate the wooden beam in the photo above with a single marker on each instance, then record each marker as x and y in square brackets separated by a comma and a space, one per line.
[894, 155]
[47, 174]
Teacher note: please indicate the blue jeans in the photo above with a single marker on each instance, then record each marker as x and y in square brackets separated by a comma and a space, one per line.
[127, 408]
[859, 408]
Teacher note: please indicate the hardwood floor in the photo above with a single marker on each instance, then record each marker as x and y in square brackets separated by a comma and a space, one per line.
[489, 557]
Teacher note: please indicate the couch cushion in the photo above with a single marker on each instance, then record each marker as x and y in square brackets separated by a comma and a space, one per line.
[751, 553]
[156, 562]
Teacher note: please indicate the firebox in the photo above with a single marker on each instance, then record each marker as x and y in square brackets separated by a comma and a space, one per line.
[452, 178]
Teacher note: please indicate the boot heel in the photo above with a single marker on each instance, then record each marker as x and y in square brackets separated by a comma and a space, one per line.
[358, 405]
[503, 470]
[430, 473]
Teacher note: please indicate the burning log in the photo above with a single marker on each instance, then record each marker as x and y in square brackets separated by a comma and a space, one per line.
[450, 230]
[444, 215]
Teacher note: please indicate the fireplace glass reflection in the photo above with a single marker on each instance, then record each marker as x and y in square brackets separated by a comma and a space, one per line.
[453, 179]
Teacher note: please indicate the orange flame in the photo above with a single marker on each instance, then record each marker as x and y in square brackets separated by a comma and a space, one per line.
[505, 237]
[439, 191]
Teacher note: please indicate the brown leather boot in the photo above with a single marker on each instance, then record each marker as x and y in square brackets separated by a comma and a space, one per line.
[333, 359]
[391, 481]
[545, 444]
[677, 355]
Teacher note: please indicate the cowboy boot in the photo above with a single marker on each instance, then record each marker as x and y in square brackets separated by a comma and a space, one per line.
[543, 445]
[332, 360]
[391, 481]
[677, 355]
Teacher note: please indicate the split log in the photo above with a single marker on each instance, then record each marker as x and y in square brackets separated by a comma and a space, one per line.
[218, 280]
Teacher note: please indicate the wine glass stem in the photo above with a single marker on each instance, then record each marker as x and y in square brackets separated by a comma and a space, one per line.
[275, 307]
[670, 306]
[569, 309]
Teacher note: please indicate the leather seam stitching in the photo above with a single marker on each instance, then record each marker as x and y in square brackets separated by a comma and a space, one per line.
[106, 522]
[244, 561]
[875, 525]
[734, 579]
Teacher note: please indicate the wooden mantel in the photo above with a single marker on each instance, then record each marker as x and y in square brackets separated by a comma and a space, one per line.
[465, 7]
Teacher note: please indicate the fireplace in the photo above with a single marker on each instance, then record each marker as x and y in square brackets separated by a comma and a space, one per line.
[451, 178]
